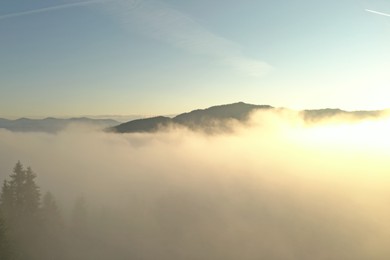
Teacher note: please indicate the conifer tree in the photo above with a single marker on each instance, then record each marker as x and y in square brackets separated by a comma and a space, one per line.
[53, 229]
[20, 200]
[16, 187]
[50, 212]
[20, 196]
[5, 247]
[31, 193]
[7, 200]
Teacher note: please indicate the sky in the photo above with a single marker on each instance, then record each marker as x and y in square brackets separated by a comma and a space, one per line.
[146, 57]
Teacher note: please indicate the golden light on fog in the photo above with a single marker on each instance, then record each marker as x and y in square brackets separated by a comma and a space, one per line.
[275, 185]
[366, 134]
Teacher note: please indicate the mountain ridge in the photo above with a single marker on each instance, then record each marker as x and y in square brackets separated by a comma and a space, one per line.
[217, 117]
[214, 118]
[51, 124]
[205, 119]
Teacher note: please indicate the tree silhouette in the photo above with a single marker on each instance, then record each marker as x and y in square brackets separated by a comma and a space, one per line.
[19, 202]
[31, 193]
[16, 187]
[7, 200]
[52, 229]
[5, 247]
[20, 196]
[50, 212]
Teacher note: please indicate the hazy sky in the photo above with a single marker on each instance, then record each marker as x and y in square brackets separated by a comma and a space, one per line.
[62, 57]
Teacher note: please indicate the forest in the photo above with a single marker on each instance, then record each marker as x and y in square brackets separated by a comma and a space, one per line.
[31, 224]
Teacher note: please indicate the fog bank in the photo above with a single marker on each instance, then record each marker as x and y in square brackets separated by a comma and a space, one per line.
[273, 188]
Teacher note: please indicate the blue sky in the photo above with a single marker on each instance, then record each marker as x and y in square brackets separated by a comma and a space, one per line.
[69, 58]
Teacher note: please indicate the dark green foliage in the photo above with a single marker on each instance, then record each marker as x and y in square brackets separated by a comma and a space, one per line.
[5, 245]
[20, 205]
[32, 228]
[16, 189]
[31, 193]
[20, 198]
[7, 200]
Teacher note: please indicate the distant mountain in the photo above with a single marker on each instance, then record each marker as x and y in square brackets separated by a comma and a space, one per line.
[205, 119]
[52, 125]
[200, 117]
[218, 118]
[317, 115]
[143, 125]
[212, 119]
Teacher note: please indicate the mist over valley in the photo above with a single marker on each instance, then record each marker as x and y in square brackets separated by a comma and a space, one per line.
[194, 130]
[233, 183]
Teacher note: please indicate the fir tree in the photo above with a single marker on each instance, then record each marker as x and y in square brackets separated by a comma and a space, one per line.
[50, 212]
[7, 200]
[20, 200]
[5, 247]
[16, 188]
[31, 193]
[20, 196]
[53, 229]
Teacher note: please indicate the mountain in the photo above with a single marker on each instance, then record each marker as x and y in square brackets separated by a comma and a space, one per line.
[52, 125]
[316, 115]
[217, 118]
[143, 125]
[208, 119]
[212, 119]
[239, 111]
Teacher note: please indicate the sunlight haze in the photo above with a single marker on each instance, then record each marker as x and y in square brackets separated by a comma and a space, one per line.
[194, 130]
[67, 58]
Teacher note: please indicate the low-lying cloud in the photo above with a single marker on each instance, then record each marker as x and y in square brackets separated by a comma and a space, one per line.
[272, 189]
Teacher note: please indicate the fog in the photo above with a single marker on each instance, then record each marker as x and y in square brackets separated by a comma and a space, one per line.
[273, 188]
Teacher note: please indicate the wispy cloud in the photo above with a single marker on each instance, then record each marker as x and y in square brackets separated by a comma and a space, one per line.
[169, 25]
[376, 12]
[48, 9]
[166, 24]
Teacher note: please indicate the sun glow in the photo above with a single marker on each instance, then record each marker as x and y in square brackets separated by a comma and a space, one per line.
[373, 132]
[370, 137]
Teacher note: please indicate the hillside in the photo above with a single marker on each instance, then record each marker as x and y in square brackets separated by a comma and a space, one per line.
[205, 119]
[218, 118]
[52, 125]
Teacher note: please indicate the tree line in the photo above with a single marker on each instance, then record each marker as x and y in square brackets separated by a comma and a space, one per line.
[31, 225]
